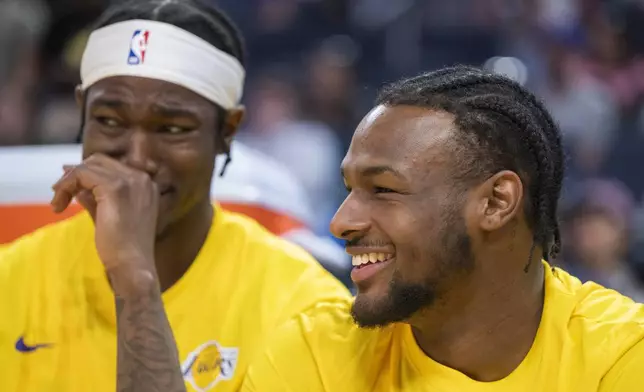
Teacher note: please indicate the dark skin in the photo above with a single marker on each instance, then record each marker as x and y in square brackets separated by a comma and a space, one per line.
[404, 200]
[148, 156]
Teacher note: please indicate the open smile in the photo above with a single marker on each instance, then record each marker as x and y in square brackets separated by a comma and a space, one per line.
[366, 265]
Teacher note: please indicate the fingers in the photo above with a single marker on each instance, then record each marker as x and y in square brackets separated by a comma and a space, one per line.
[87, 200]
[81, 181]
[78, 178]
[112, 164]
[64, 191]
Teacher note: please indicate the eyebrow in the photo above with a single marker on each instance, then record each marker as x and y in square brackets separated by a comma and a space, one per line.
[173, 111]
[113, 103]
[159, 108]
[371, 171]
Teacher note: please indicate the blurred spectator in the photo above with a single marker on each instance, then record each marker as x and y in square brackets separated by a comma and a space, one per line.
[611, 60]
[581, 104]
[599, 228]
[59, 121]
[21, 25]
[331, 94]
[309, 148]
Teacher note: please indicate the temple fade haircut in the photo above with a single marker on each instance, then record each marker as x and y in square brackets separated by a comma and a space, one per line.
[197, 17]
[502, 126]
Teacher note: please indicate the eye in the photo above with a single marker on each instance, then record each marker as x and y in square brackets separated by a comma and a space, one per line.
[174, 129]
[379, 189]
[107, 121]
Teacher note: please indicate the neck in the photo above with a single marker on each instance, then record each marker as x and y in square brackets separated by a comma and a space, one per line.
[180, 244]
[488, 331]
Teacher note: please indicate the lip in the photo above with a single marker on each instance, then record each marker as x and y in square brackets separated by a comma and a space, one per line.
[367, 272]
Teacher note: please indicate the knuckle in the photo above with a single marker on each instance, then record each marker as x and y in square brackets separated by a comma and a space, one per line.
[142, 180]
[120, 187]
[153, 186]
[96, 157]
[91, 160]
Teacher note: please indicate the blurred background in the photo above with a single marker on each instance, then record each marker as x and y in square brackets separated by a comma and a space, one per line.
[314, 67]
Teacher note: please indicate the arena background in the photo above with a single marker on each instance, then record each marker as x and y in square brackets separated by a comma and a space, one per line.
[314, 68]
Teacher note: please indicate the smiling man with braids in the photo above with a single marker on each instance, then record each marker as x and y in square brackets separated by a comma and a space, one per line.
[451, 216]
[107, 291]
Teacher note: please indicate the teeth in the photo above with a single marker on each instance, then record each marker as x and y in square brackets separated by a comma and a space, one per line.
[369, 258]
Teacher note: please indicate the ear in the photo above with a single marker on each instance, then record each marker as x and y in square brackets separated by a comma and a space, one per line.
[80, 96]
[233, 119]
[501, 200]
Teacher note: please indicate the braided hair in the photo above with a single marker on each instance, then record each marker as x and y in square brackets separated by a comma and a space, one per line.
[502, 127]
[194, 16]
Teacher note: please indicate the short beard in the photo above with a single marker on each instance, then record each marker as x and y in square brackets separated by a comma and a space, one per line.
[405, 299]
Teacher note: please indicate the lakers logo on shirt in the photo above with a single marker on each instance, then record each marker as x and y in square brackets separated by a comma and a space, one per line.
[208, 364]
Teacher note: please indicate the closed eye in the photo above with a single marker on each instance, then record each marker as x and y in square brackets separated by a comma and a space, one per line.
[379, 189]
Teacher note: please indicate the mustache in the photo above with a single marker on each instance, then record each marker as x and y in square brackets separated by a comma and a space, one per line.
[363, 243]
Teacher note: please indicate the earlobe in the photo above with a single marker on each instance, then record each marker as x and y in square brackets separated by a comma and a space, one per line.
[504, 195]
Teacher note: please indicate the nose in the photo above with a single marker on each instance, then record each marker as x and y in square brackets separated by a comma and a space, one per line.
[352, 220]
[140, 153]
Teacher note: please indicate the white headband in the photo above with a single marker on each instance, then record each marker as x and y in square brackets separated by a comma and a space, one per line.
[162, 51]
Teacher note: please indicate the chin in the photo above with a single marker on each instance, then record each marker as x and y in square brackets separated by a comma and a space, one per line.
[368, 313]
[398, 304]
[162, 230]
[165, 222]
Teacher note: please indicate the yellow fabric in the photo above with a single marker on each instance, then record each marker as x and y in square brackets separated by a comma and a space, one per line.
[589, 339]
[53, 290]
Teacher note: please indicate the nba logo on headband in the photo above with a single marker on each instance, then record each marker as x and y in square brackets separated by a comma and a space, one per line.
[138, 46]
[175, 56]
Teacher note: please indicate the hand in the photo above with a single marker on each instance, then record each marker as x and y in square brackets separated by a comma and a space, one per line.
[124, 205]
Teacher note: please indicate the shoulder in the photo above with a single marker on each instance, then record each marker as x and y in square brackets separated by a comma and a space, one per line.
[41, 251]
[290, 279]
[608, 322]
[597, 309]
[626, 374]
[34, 271]
[320, 347]
[329, 327]
[256, 240]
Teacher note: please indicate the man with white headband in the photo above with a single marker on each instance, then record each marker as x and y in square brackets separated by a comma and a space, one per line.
[160, 92]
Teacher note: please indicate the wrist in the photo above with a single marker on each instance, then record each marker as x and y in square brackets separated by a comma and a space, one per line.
[128, 282]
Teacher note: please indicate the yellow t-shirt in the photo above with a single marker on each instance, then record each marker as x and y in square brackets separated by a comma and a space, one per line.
[589, 339]
[53, 292]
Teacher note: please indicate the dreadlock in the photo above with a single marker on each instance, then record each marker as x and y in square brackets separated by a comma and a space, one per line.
[194, 16]
[503, 127]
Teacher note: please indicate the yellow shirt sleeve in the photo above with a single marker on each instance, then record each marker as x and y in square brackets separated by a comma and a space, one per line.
[315, 286]
[268, 373]
[628, 372]
[288, 363]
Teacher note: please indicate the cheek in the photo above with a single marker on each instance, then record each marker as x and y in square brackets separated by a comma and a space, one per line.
[95, 141]
[414, 232]
[192, 166]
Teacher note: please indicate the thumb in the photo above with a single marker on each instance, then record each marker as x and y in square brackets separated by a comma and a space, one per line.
[86, 199]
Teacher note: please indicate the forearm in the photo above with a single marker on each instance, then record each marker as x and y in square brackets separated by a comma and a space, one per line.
[147, 353]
